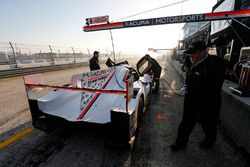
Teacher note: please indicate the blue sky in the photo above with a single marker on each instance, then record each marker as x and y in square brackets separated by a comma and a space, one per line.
[60, 22]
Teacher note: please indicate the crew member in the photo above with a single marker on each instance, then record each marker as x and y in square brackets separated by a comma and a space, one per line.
[202, 100]
[94, 62]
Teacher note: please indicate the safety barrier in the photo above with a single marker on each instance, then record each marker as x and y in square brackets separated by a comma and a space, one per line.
[32, 70]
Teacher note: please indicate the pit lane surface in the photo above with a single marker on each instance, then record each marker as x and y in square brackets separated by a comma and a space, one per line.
[14, 105]
[90, 145]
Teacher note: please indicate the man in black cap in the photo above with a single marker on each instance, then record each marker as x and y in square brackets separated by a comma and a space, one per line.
[202, 100]
[94, 62]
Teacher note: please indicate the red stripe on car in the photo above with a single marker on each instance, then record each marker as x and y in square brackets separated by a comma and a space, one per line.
[84, 111]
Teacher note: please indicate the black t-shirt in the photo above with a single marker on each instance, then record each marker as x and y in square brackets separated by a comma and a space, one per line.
[94, 64]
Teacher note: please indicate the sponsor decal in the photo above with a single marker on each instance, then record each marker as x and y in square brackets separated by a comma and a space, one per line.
[93, 80]
[136, 23]
[179, 19]
[165, 20]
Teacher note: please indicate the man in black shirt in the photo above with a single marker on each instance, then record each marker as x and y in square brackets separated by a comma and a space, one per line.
[202, 100]
[94, 62]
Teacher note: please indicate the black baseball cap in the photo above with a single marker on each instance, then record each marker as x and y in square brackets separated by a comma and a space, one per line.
[197, 45]
[96, 52]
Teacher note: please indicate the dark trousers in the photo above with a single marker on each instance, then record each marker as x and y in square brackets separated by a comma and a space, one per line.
[208, 123]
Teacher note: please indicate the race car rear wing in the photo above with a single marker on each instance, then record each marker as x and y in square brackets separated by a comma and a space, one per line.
[35, 87]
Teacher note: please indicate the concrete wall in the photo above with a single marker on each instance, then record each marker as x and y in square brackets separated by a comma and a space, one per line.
[235, 116]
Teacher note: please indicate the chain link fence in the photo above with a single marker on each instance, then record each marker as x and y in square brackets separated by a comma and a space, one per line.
[17, 55]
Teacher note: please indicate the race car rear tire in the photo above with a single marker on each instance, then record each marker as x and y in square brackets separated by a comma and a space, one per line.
[123, 128]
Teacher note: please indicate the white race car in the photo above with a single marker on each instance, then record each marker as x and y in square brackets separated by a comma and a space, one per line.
[117, 96]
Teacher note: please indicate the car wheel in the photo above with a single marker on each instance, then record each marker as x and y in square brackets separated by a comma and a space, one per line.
[124, 126]
[134, 126]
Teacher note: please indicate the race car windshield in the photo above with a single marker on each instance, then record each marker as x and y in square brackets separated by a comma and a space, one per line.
[143, 66]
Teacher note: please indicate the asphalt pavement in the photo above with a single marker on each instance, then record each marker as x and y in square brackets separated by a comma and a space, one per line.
[159, 131]
[88, 145]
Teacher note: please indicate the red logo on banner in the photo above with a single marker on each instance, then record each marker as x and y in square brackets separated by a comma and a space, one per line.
[97, 20]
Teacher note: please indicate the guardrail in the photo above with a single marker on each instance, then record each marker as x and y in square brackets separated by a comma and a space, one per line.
[32, 70]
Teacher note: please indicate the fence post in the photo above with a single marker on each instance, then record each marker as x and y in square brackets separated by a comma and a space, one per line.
[52, 56]
[14, 53]
[88, 52]
[74, 54]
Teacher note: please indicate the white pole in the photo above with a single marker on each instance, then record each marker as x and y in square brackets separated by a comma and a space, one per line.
[112, 43]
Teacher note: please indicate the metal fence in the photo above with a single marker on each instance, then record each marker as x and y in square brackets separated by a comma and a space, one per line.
[17, 55]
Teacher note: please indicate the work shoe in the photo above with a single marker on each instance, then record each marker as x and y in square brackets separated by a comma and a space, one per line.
[206, 144]
[177, 147]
